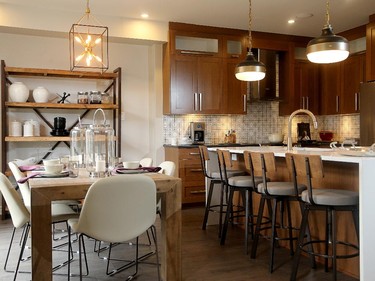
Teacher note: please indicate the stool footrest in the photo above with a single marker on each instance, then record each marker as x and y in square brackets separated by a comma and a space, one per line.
[326, 256]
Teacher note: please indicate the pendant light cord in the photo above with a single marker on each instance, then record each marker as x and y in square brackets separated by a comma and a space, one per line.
[250, 22]
[327, 14]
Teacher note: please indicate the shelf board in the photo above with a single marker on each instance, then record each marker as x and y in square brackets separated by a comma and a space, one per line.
[61, 105]
[21, 71]
[37, 139]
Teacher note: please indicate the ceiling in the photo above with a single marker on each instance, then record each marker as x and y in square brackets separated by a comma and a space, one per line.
[267, 15]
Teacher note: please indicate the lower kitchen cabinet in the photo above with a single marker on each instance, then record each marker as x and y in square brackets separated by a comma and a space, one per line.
[189, 169]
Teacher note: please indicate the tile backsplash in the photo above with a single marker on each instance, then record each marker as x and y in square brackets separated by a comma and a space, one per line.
[262, 120]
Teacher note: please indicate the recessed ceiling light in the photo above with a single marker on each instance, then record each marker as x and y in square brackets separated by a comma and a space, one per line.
[144, 15]
[291, 21]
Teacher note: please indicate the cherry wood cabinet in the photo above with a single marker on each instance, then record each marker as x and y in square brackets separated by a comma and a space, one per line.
[340, 85]
[370, 49]
[189, 169]
[198, 70]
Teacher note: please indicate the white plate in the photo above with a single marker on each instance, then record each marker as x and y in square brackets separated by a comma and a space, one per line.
[59, 175]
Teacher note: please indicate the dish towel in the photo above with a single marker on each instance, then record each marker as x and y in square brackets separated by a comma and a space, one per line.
[25, 179]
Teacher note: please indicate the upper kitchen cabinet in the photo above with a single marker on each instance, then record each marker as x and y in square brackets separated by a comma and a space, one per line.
[370, 49]
[306, 86]
[340, 85]
[198, 71]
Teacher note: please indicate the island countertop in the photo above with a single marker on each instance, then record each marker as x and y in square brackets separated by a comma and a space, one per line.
[366, 188]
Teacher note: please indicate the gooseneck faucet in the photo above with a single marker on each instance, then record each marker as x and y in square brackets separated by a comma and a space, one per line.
[308, 112]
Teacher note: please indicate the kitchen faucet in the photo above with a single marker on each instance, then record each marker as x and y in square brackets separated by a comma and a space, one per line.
[308, 112]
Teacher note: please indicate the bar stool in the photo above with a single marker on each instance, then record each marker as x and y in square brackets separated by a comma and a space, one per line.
[245, 185]
[277, 192]
[215, 179]
[310, 167]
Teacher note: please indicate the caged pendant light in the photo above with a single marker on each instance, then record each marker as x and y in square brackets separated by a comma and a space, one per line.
[328, 47]
[250, 69]
[88, 41]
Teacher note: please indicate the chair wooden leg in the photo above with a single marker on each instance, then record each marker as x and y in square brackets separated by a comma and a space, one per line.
[257, 228]
[301, 237]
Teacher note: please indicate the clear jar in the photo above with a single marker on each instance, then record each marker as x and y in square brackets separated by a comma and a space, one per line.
[78, 145]
[106, 98]
[95, 97]
[83, 97]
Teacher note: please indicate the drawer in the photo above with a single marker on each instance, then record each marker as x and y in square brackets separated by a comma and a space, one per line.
[194, 194]
[191, 172]
[189, 154]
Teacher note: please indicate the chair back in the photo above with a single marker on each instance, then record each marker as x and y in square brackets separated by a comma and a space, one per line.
[118, 208]
[307, 167]
[225, 162]
[204, 156]
[146, 162]
[167, 167]
[18, 212]
[24, 187]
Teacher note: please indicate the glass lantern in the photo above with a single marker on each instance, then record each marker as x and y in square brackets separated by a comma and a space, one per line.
[100, 147]
[78, 145]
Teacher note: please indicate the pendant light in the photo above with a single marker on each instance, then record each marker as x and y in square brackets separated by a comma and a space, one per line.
[250, 69]
[88, 41]
[328, 47]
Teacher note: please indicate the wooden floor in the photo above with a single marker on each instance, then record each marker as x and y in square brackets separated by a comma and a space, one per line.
[203, 259]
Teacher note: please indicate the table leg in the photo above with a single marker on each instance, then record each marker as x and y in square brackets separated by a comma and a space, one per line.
[41, 236]
[171, 234]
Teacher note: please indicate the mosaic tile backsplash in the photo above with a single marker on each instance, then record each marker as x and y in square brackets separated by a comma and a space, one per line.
[262, 120]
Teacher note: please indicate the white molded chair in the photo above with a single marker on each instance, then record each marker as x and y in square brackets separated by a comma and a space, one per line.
[21, 218]
[117, 209]
[167, 168]
[146, 162]
[25, 189]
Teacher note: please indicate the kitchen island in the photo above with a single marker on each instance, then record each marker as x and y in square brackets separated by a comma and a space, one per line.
[343, 171]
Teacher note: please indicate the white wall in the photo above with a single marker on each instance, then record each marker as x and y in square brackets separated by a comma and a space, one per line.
[141, 86]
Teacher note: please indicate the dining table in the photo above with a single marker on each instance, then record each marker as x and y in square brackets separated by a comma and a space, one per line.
[45, 190]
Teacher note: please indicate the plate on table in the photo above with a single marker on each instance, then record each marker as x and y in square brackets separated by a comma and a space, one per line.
[131, 171]
[49, 175]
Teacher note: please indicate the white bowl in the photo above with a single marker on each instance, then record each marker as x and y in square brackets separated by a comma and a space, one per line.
[48, 162]
[276, 138]
[54, 168]
[131, 164]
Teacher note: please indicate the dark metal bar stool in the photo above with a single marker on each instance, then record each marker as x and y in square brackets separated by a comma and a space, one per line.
[244, 185]
[331, 201]
[279, 193]
[215, 179]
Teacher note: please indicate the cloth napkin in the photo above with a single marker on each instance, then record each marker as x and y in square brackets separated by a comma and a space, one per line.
[26, 168]
[25, 179]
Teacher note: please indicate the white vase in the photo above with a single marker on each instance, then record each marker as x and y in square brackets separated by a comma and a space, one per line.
[40, 94]
[18, 92]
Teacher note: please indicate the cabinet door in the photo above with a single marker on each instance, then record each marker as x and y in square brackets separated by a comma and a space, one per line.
[353, 73]
[306, 86]
[235, 91]
[183, 85]
[330, 88]
[210, 85]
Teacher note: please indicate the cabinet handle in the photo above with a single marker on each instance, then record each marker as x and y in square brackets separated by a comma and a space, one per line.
[196, 53]
[356, 101]
[302, 103]
[195, 101]
[200, 101]
[194, 153]
[244, 103]
[337, 103]
[198, 191]
[196, 170]
[307, 103]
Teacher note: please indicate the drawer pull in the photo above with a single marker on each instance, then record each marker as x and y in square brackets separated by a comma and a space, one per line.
[194, 153]
[198, 191]
[196, 170]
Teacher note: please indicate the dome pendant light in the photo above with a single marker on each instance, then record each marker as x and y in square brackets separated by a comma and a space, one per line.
[328, 47]
[250, 69]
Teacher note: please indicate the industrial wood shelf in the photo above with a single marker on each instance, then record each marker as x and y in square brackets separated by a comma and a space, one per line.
[61, 105]
[37, 139]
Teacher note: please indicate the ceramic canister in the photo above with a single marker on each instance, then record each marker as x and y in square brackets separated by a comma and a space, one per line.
[15, 129]
[36, 127]
[28, 129]
[18, 92]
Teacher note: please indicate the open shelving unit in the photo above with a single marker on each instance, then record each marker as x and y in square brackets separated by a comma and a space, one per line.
[65, 76]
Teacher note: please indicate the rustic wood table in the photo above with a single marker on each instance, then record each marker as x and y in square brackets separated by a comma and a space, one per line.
[45, 190]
